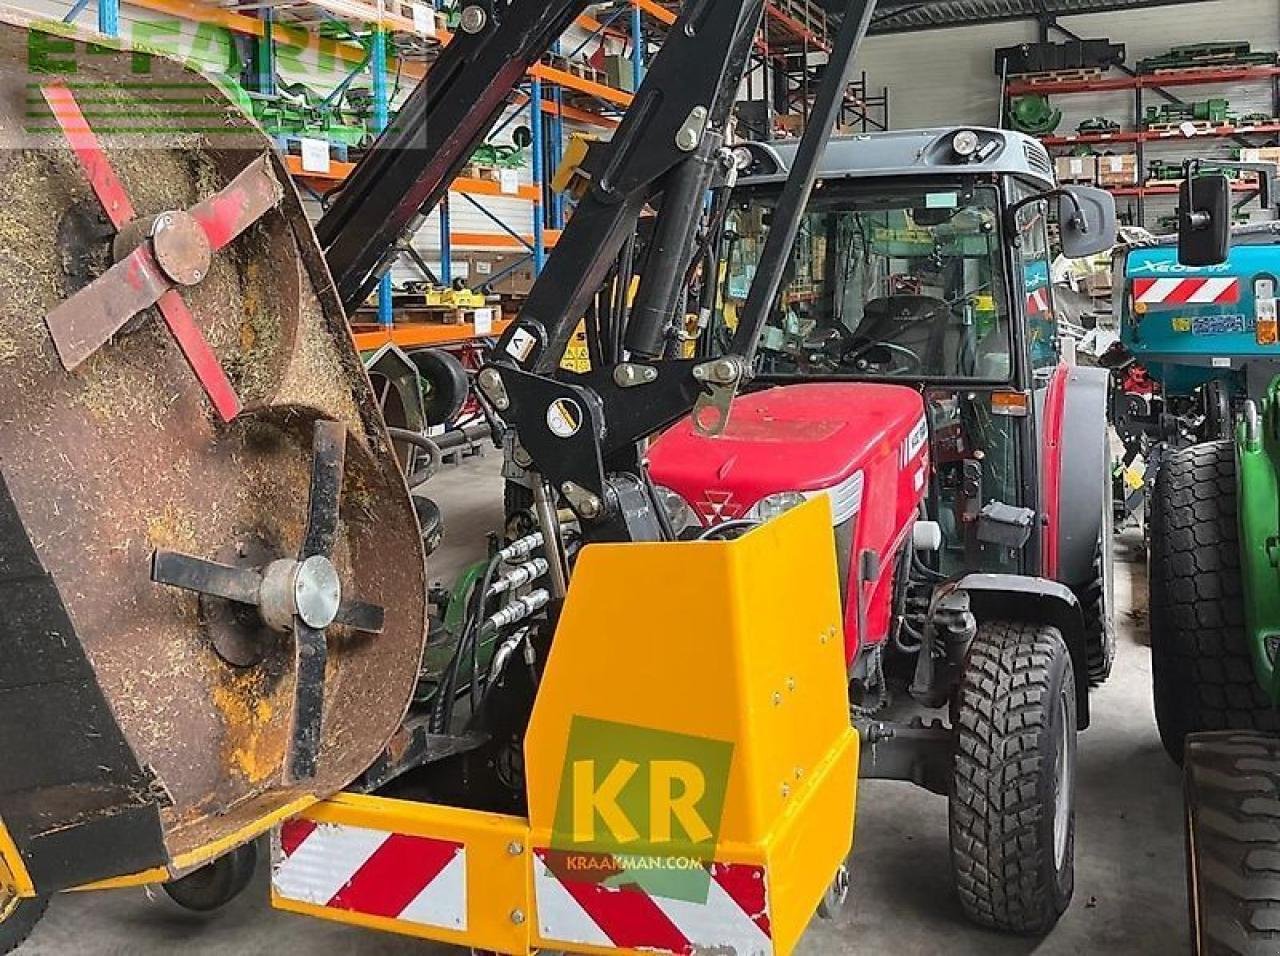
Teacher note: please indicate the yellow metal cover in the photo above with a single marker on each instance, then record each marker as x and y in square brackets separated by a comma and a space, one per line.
[681, 696]
[675, 664]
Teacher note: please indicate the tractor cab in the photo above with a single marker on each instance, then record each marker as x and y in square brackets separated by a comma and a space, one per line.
[922, 263]
[916, 310]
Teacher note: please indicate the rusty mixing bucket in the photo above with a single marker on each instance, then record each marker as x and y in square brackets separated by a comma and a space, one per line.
[213, 585]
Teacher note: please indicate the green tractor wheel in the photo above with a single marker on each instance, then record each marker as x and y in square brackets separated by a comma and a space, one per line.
[1202, 673]
[1231, 782]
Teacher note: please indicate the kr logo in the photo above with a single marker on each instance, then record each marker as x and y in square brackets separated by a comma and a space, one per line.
[717, 506]
[639, 807]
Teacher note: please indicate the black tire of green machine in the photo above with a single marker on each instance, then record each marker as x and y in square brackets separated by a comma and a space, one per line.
[215, 884]
[1231, 782]
[1016, 694]
[1201, 670]
[15, 929]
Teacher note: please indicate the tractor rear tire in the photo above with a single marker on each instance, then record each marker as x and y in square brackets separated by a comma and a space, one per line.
[18, 917]
[1011, 808]
[1232, 790]
[1201, 669]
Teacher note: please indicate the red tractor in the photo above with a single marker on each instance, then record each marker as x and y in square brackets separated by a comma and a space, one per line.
[909, 372]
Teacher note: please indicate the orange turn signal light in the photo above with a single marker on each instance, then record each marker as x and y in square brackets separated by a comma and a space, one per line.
[1010, 403]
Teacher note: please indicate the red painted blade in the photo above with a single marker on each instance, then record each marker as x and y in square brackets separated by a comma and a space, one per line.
[240, 204]
[86, 321]
[106, 186]
[199, 355]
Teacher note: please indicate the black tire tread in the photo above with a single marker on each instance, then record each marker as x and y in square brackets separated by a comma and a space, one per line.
[15, 930]
[1202, 672]
[1005, 700]
[1100, 640]
[1232, 784]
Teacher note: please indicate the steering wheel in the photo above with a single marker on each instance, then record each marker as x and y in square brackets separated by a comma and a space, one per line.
[885, 320]
[825, 345]
[861, 360]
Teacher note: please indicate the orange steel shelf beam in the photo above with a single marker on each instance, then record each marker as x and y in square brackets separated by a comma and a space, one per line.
[416, 334]
[338, 171]
[574, 82]
[501, 239]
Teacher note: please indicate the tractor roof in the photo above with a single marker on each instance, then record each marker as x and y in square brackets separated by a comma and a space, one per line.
[916, 152]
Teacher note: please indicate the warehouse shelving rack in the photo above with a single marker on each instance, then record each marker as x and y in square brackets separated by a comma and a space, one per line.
[1140, 84]
[387, 38]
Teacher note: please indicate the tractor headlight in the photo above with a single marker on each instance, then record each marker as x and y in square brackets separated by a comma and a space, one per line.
[846, 501]
[770, 506]
[679, 513]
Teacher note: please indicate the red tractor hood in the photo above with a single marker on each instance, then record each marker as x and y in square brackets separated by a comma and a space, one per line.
[791, 438]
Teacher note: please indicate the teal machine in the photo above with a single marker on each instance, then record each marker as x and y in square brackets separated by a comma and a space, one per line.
[1195, 343]
[1189, 326]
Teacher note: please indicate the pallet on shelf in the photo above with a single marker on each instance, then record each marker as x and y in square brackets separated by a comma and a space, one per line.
[1201, 127]
[1058, 76]
[446, 315]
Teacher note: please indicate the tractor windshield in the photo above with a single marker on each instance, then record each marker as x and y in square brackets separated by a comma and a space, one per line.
[903, 283]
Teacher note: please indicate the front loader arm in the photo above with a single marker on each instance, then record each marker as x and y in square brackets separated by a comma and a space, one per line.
[582, 433]
[410, 166]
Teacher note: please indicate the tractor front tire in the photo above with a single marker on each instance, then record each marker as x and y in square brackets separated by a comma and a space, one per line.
[1012, 803]
[1232, 790]
[18, 917]
[1201, 670]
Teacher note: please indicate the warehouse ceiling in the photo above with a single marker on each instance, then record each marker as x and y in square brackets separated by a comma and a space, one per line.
[896, 16]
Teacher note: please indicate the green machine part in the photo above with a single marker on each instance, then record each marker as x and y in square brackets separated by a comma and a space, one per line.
[1216, 111]
[1258, 476]
[499, 157]
[1034, 114]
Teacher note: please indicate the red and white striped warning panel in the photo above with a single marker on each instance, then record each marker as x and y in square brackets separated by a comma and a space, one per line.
[1037, 302]
[392, 875]
[1217, 290]
[583, 909]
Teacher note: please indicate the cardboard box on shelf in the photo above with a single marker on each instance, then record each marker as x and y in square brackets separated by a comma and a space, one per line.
[1261, 154]
[503, 273]
[1098, 284]
[1118, 170]
[620, 72]
[1076, 169]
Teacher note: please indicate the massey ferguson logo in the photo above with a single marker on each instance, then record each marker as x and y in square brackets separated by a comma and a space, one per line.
[717, 506]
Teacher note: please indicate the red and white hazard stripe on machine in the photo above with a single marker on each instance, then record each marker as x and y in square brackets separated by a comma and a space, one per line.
[734, 917]
[392, 875]
[1217, 290]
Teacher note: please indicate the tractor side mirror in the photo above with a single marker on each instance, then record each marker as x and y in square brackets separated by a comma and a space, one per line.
[1086, 221]
[1204, 220]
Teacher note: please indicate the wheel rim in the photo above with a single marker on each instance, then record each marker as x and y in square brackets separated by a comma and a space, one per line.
[1063, 768]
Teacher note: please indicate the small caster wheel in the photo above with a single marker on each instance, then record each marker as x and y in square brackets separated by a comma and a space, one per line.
[215, 884]
[834, 899]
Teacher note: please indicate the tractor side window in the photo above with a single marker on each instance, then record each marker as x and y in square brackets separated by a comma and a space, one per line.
[1034, 270]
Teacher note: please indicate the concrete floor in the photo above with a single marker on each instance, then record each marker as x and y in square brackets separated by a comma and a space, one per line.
[1129, 896]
